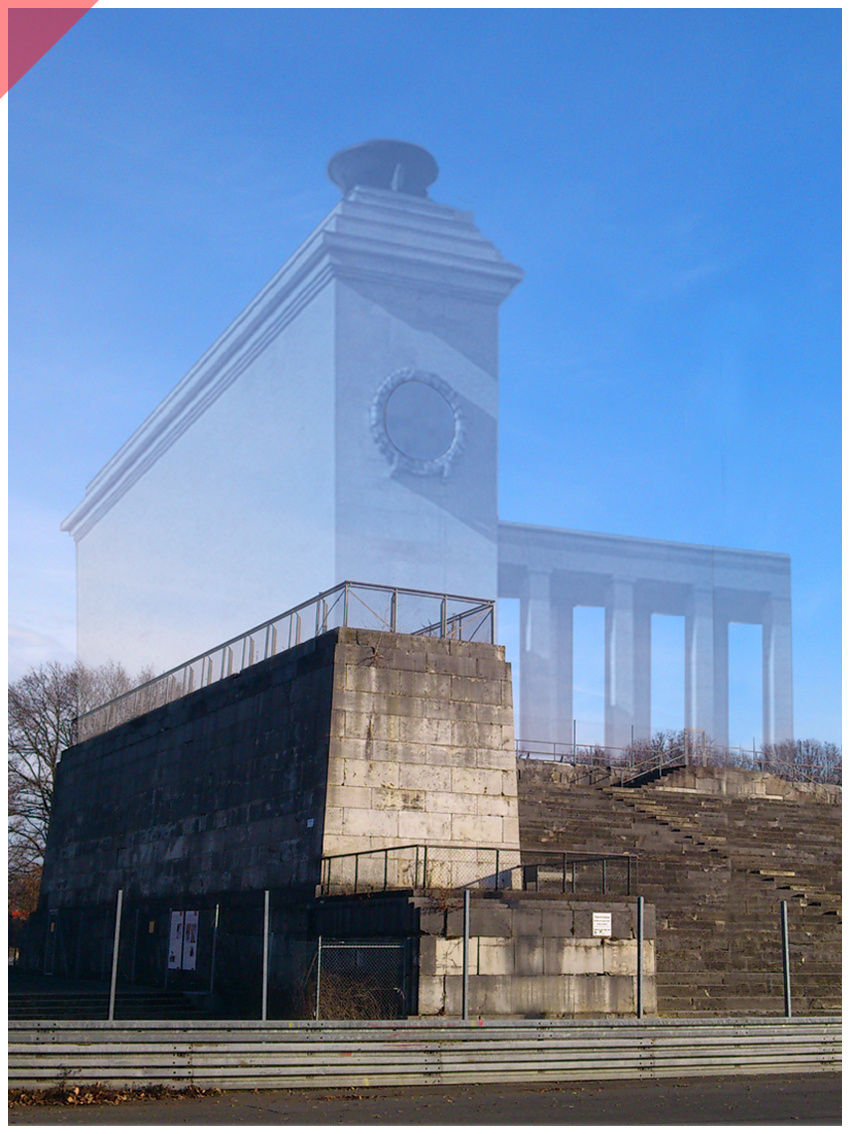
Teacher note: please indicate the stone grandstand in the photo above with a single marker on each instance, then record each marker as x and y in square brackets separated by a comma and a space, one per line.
[717, 851]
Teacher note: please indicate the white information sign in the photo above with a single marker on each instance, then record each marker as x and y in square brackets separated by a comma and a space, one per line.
[190, 940]
[175, 940]
[601, 924]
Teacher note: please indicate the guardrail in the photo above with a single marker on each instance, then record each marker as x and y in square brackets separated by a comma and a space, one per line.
[366, 606]
[248, 1055]
[420, 867]
[599, 761]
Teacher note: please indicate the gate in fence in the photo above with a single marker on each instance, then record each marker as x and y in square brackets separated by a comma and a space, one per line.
[364, 980]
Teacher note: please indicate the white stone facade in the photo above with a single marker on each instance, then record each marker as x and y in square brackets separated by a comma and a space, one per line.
[263, 479]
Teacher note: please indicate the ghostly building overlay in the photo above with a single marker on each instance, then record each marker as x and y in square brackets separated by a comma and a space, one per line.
[345, 427]
[553, 571]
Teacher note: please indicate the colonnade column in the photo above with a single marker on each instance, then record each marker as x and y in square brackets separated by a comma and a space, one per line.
[563, 619]
[699, 663]
[537, 693]
[642, 671]
[619, 664]
[720, 638]
[777, 677]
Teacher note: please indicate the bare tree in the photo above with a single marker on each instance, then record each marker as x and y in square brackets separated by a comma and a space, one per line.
[816, 760]
[42, 707]
[792, 759]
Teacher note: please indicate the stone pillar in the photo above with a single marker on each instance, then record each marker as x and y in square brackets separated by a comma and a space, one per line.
[619, 664]
[777, 677]
[699, 663]
[563, 619]
[537, 695]
[642, 669]
[720, 730]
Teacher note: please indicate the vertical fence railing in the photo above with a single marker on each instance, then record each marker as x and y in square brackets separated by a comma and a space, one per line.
[111, 932]
[113, 978]
[627, 763]
[265, 995]
[464, 1009]
[639, 962]
[786, 957]
[420, 866]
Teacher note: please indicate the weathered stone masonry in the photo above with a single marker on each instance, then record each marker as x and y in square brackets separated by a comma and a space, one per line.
[356, 739]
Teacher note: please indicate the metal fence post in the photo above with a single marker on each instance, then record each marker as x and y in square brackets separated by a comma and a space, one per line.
[444, 617]
[464, 1000]
[264, 1015]
[318, 976]
[214, 947]
[135, 947]
[167, 947]
[115, 943]
[639, 981]
[786, 959]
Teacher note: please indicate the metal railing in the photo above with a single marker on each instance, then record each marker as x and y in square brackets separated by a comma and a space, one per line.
[366, 606]
[420, 867]
[598, 762]
[241, 1055]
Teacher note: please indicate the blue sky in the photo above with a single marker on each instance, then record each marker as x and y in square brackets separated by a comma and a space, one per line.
[668, 180]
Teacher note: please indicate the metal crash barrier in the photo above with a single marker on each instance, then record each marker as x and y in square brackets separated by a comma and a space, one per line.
[247, 1055]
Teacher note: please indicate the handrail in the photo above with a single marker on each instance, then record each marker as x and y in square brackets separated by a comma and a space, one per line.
[418, 866]
[620, 763]
[427, 613]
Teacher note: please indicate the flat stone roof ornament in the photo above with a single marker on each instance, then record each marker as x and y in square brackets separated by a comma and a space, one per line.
[383, 163]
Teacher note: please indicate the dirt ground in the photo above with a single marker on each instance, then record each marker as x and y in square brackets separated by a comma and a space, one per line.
[808, 1099]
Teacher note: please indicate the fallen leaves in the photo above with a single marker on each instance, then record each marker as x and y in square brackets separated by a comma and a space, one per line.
[95, 1094]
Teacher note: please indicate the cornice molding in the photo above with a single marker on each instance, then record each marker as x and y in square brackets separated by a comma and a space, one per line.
[435, 246]
[524, 536]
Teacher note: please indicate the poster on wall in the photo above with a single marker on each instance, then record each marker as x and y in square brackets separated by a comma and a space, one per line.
[190, 940]
[175, 940]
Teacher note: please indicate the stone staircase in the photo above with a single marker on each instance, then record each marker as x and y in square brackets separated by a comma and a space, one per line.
[46, 999]
[716, 867]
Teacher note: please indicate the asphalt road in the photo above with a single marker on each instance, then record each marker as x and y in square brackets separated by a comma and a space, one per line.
[811, 1099]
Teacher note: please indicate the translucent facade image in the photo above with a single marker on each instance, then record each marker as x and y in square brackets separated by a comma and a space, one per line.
[344, 427]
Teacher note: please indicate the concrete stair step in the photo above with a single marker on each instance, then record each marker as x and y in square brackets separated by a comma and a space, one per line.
[716, 869]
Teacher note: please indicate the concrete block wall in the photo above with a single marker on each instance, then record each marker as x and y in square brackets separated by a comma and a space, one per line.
[533, 956]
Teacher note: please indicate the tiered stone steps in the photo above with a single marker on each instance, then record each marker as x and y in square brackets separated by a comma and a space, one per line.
[716, 868]
[43, 998]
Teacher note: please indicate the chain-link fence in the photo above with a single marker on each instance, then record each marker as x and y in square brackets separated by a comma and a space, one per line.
[264, 956]
[227, 956]
[363, 980]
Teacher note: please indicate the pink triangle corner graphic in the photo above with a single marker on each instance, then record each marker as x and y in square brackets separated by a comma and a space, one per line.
[31, 32]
